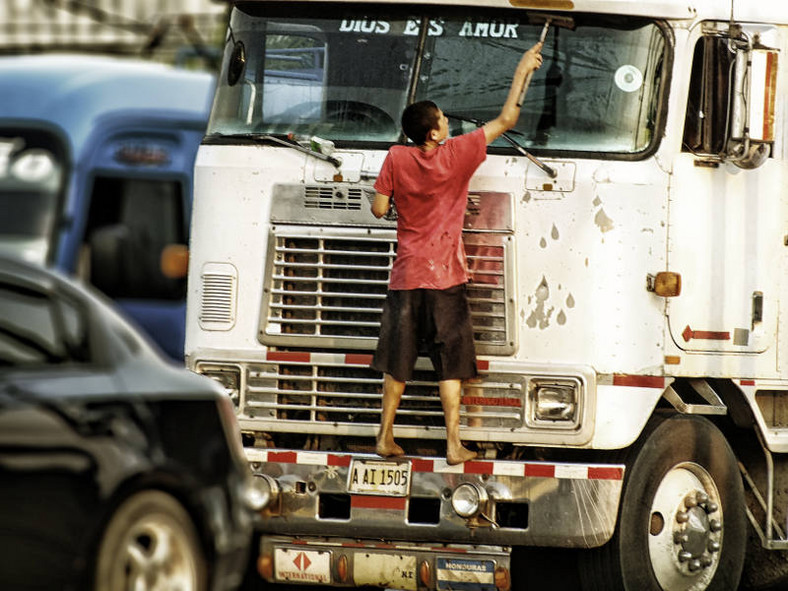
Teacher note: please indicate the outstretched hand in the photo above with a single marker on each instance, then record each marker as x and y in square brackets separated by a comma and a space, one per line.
[532, 59]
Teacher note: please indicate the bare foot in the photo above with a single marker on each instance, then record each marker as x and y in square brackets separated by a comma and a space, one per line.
[388, 449]
[460, 455]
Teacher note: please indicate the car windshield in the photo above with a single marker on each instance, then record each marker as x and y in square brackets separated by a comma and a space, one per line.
[32, 166]
[346, 75]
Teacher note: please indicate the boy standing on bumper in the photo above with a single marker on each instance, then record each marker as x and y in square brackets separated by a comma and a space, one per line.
[426, 303]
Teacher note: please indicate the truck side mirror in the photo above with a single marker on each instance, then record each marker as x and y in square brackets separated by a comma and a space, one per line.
[732, 100]
[753, 103]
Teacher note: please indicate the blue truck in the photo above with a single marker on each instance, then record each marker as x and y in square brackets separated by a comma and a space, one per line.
[96, 166]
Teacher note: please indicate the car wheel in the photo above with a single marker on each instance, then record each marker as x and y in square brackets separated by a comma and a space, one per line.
[150, 544]
[682, 525]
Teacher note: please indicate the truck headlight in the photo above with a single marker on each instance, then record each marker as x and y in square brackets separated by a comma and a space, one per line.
[264, 491]
[554, 402]
[229, 376]
[468, 499]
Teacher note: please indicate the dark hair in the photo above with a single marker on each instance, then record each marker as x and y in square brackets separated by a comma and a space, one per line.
[418, 120]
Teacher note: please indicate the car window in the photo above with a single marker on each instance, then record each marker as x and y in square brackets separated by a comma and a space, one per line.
[40, 329]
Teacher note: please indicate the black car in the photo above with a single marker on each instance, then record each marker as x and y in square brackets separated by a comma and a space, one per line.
[118, 470]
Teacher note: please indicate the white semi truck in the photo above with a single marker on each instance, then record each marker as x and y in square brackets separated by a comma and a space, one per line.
[627, 243]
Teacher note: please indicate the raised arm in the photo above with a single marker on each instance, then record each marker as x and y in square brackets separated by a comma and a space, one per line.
[510, 112]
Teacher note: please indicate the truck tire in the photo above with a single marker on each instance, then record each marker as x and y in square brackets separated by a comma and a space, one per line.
[681, 525]
[150, 543]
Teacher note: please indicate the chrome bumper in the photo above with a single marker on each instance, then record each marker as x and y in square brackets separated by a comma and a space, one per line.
[530, 503]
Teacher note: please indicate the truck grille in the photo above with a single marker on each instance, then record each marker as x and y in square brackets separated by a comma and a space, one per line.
[342, 395]
[328, 291]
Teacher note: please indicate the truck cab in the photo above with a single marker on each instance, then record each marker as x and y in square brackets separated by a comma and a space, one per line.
[96, 165]
[627, 250]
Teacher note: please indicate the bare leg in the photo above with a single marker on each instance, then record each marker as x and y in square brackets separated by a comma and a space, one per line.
[392, 394]
[456, 453]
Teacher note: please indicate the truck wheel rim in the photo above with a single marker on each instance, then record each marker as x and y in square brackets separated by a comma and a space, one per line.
[686, 527]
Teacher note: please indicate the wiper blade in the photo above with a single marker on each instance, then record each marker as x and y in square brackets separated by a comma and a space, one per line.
[548, 170]
[264, 137]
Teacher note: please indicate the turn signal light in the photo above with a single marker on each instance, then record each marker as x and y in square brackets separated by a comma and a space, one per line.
[265, 566]
[342, 568]
[503, 580]
[425, 574]
[665, 283]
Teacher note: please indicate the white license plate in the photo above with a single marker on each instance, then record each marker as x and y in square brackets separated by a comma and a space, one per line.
[379, 477]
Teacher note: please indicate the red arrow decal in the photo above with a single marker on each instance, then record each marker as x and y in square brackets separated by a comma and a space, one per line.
[705, 335]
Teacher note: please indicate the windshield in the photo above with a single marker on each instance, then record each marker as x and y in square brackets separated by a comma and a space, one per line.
[32, 165]
[348, 74]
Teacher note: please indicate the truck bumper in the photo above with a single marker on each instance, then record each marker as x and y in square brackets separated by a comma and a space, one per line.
[352, 562]
[568, 505]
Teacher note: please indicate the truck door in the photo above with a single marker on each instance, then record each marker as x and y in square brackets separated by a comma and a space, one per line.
[727, 215]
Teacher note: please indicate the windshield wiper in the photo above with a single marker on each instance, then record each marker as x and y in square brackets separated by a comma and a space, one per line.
[548, 170]
[264, 137]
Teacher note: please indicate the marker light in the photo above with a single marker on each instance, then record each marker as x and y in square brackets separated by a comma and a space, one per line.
[665, 284]
[468, 499]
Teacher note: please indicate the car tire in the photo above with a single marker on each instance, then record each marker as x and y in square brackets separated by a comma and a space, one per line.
[150, 542]
[682, 525]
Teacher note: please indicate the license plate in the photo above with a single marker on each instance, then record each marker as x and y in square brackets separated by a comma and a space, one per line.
[303, 566]
[379, 477]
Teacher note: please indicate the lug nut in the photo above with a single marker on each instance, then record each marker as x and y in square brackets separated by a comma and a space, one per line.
[684, 556]
[689, 501]
[705, 561]
[694, 565]
[680, 537]
[715, 525]
[712, 507]
[713, 546]
[701, 498]
[682, 517]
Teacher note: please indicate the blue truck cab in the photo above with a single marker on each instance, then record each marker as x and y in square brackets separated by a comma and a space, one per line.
[96, 167]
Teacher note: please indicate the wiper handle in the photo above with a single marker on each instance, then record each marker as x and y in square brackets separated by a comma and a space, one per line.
[296, 146]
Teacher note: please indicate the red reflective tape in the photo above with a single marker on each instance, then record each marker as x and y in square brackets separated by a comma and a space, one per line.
[747, 382]
[605, 473]
[334, 460]
[482, 364]
[285, 457]
[293, 356]
[358, 359]
[377, 502]
[471, 467]
[638, 381]
[540, 470]
[420, 465]
[490, 401]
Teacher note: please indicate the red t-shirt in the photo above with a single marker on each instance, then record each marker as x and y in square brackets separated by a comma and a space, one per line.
[430, 190]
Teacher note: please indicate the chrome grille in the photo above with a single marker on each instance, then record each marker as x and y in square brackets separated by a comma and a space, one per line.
[345, 395]
[328, 291]
[333, 197]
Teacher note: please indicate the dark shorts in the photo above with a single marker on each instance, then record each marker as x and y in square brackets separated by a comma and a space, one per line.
[432, 322]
